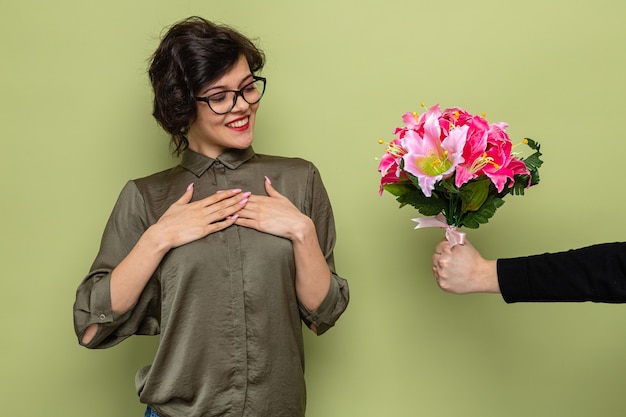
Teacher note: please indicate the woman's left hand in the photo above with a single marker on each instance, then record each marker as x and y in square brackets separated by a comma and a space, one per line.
[276, 215]
[273, 214]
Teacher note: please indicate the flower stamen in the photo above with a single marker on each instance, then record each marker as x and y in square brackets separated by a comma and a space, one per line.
[396, 150]
[481, 162]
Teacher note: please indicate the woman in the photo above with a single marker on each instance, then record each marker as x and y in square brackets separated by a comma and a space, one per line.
[223, 255]
[595, 273]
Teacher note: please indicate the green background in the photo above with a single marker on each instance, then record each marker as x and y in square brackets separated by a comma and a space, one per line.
[75, 109]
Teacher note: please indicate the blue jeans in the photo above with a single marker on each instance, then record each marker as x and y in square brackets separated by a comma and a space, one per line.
[150, 413]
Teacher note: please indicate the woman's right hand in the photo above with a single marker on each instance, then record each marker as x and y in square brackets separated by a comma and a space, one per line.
[183, 222]
[186, 221]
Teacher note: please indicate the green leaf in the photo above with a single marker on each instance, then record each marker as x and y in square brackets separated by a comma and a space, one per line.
[533, 162]
[428, 206]
[447, 186]
[474, 218]
[533, 144]
[473, 195]
[520, 183]
[398, 188]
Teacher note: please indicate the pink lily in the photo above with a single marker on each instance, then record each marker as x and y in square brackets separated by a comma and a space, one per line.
[389, 165]
[428, 157]
[503, 166]
[474, 152]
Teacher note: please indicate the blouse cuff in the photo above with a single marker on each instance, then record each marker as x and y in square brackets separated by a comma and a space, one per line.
[93, 306]
[335, 302]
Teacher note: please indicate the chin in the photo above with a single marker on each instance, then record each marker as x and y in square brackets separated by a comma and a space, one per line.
[242, 143]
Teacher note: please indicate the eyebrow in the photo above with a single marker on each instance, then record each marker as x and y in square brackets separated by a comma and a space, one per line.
[207, 90]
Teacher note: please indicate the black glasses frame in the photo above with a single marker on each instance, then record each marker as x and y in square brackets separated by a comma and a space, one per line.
[238, 93]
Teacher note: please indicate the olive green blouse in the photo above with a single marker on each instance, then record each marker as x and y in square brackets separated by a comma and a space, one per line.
[225, 306]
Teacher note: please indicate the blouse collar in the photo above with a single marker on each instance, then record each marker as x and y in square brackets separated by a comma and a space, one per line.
[231, 158]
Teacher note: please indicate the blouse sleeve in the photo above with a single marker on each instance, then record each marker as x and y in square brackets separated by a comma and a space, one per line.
[338, 296]
[595, 273]
[93, 298]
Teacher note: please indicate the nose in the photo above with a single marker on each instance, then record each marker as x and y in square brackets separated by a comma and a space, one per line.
[240, 104]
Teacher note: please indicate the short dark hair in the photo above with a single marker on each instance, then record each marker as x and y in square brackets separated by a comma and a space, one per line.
[193, 53]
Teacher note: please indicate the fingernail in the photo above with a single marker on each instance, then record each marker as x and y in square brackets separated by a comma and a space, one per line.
[233, 217]
[190, 186]
[218, 191]
[236, 190]
[244, 201]
[246, 194]
[267, 180]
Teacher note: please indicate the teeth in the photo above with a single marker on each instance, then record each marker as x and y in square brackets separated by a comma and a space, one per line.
[239, 123]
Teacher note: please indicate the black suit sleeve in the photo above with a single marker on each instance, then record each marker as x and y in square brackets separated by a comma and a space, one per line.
[596, 273]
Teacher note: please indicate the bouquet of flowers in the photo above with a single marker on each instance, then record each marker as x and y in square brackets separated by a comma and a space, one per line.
[455, 167]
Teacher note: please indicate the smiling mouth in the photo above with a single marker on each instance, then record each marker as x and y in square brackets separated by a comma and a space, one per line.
[239, 123]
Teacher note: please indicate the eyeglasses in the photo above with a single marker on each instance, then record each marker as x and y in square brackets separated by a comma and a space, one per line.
[224, 101]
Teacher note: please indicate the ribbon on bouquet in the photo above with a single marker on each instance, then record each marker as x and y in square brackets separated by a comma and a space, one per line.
[452, 235]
